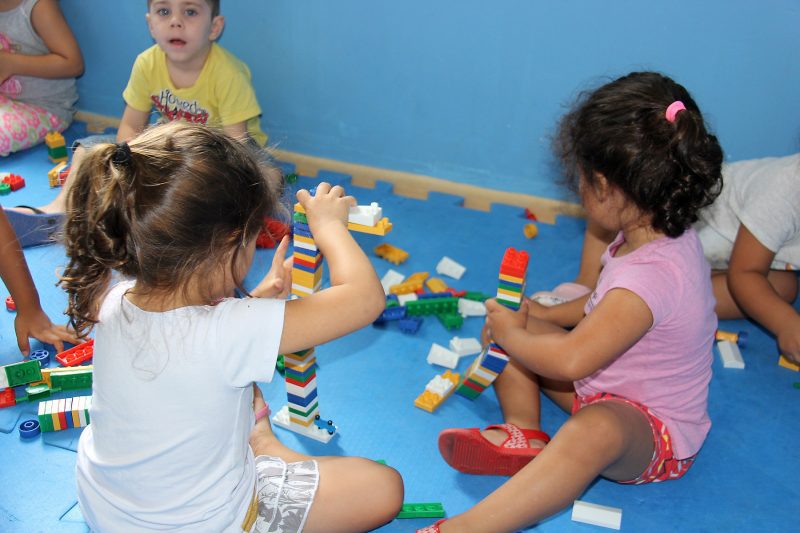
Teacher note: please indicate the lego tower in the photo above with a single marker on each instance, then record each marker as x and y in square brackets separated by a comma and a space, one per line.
[488, 365]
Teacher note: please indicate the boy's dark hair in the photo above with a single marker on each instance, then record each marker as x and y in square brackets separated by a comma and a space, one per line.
[667, 169]
[175, 205]
[214, 4]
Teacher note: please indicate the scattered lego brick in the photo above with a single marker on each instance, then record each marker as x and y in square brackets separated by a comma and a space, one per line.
[597, 515]
[736, 338]
[10, 305]
[785, 363]
[29, 429]
[20, 373]
[730, 355]
[421, 510]
[77, 354]
[530, 231]
[439, 355]
[54, 175]
[56, 147]
[448, 267]
[390, 253]
[437, 391]
[14, 182]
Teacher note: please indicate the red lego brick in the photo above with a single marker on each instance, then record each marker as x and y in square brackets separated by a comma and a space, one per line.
[271, 233]
[77, 355]
[529, 214]
[14, 181]
[515, 263]
[10, 305]
[7, 397]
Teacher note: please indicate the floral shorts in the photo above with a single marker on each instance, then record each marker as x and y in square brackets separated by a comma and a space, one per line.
[284, 492]
[24, 125]
[663, 465]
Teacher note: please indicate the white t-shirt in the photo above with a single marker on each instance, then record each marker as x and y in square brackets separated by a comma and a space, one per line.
[167, 444]
[764, 195]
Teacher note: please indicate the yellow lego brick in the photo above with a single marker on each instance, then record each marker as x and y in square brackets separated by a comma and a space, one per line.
[511, 294]
[406, 287]
[785, 363]
[391, 253]
[304, 239]
[54, 139]
[428, 401]
[381, 228]
[416, 276]
[512, 279]
[436, 285]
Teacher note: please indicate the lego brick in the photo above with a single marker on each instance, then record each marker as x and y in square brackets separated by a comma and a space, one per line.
[392, 277]
[730, 355]
[464, 347]
[471, 308]
[281, 419]
[366, 215]
[785, 363]
[421, 510]
[448, 267]
[391, 253]
[597, 515]
[439, 355]
[77, 354]
[20, 373]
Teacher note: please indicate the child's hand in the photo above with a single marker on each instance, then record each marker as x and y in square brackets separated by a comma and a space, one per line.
[328, 206]
[501, 320]
[278, 281]
[36, 324]
[789, 340]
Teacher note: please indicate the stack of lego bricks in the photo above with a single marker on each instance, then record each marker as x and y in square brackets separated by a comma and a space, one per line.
[488, 365]
[65, 413]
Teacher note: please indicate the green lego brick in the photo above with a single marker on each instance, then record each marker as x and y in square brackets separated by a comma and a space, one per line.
[432, 306]
[300, 217]
[290, 178]
[421, 510]
[5, 188]
[22, 373]
[58, 152]
[72, 380]
[304, 414]
[280, 365]
[451, 320]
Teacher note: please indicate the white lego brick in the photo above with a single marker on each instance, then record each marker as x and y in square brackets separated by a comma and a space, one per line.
[439, 355]
[366, 215]
[448, 267]
[464, 347]
[471, 308]
[392, 277]
[597, 515]
[402, 299]
[730, 355]
[439, 385]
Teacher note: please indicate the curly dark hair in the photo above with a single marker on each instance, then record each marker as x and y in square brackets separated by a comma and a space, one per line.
[667, 169]
[174, 205]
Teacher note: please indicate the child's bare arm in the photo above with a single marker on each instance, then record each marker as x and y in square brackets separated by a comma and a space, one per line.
[31, 320]
[617, 323]
[355, 298]
[566, 315]
[132, 124]
[63, 61]
[237, 131]
[747, 281]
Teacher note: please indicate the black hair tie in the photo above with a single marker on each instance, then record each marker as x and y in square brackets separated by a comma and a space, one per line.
[122, 154]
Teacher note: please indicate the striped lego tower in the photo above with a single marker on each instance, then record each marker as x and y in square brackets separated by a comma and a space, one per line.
[488, 365]
[301, 367]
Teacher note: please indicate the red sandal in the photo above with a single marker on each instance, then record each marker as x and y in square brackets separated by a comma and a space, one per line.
[433, 528]
[468, 451]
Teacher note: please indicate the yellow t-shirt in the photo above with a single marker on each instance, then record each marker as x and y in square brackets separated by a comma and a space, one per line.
[222, 95]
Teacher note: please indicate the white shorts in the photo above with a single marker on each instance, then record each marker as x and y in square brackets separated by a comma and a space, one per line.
[717, 249]
[285, 492]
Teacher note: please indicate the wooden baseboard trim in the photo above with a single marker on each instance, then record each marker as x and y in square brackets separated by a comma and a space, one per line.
[403, 183]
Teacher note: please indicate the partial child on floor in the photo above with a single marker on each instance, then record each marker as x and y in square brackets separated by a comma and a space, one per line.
[31, 320]
[180, 437]
[635, 368]
[751, 237]
[39, 60]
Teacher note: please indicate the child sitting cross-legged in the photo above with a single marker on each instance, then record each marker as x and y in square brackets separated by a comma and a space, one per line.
[179, 437]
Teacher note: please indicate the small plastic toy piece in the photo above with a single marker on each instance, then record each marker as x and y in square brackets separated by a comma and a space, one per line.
[597, 515]
[14, 181]
[464, 347]
[272, 231]
[366, 215]
[77, 354]
[785, 363]
[448, 267]
[737, 338]
[64, 413]
[730, 355]
[56, 147]
[10, 305]
[29, 429]
[529, 214]
[281, 418]
[530, 231]
[5, 188]
[437, 391]
[421, 510]
[327, 425]
[54, 175]
[436, 285]
[390, 253]
[20, 373]
[7, 397]
[409, 324]
[290, 178]
[391, 278]
[43, 356]
[439, 355]
[450, 320]
[471, 308]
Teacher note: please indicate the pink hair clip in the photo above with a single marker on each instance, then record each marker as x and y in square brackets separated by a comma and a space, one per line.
[673, 109]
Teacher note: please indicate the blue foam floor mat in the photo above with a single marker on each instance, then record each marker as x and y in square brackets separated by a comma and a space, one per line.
[745, 478]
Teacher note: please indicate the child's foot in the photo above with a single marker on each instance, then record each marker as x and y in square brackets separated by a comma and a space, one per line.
[564, 292]
[500, 450]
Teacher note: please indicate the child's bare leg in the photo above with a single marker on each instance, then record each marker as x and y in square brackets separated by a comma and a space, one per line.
[612, 439]
[354, 494]
[59, 203]
[517, 390]
[783, 282]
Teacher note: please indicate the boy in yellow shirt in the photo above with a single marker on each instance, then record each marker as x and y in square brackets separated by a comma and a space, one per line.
[187, 76]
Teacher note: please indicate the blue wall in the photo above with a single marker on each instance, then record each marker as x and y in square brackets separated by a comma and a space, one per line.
[469, 90]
